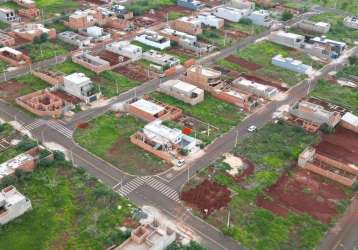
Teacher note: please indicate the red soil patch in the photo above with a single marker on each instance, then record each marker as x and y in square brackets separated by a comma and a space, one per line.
[265, 80]
[303, 192]
[68, 98]
[82, 125]
[130, 222]
[342, 145]
[237, 34]
[243, 63]
[110, 57]
[10, 90]
[208, 196]
[135, 72]
[249, 170]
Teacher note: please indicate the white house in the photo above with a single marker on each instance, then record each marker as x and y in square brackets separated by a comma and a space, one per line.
[231, 14]
[73, 38]
[351, 22]
[12, 204]
[255, 88]
[336, 46]
[153, 39]
[291, 64]
[319, 27]
[261, 18]
[210, 20]
[183, 91]
[124, 48]
[79, 85]
[290, 40]
[161, 59]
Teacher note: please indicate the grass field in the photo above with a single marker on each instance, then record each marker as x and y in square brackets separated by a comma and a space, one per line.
[138, 7]
[337, 31]
[248, 28]
[31, 83]
[43, 51]
[109, 82]
[173, 15]
[108, 137]
[211, 111]
[214, 37]
[336, 94]
[273, 149]
[71, 210]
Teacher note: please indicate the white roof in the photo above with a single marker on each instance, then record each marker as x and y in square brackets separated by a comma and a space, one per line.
[288, 34]
[11, 50]
[77, 78]
[11, 195]
[351, 119]
[159, 133]
[147, 106]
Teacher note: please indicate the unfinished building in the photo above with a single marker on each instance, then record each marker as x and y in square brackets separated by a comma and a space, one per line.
[317, 27]
[30, 31]
[290, 40]
[165, 143]
[42, 103]
[351, 22]
[91, 62]
[161, 59]
[183, 91]
[261, 90]
[51, 77]
[190, 25]
[75, 39]
[150, 110]
[343, 173]
[14, 57]
[82, 19]
[12, 204]
[6, 40]
[124, 48]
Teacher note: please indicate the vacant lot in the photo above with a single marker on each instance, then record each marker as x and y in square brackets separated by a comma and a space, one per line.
[215, 37]
[243, 27]
[53, 8]
[273, 150]
[108, 137]
[42, 51]
[140, 6]
[110, 83]
[211, 111]
[336, 94]
[71, 210]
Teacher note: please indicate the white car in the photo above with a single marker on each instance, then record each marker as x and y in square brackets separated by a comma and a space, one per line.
[252, 128]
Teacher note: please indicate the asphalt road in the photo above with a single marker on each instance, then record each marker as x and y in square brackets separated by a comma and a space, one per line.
[154, 194]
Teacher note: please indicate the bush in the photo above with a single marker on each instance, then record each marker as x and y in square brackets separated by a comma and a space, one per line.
[45, 163]
[245, 21]
[286, 16]
[26, 144]
[353, 60]
[355, 186]
[59, 156]
[22, 175]
[326, 129]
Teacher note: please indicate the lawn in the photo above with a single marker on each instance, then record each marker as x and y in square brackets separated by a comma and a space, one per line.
[138, 7]
[211, 111]
[42, 51]
[71, 210]
[173, 15]
[215, 37]
[273, 150]
[251, 29]
[336, 94]
[262, 53]
[10, 5]
[31, 83]
[338, 31]
[108, 137]
[110, 83]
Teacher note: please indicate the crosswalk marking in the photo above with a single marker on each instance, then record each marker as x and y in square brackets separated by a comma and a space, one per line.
[130, 186]
[163, 188]
[60, 128]
[31, 126]
[4, 144]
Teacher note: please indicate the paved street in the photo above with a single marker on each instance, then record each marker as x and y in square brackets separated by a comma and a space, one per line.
[162, 191]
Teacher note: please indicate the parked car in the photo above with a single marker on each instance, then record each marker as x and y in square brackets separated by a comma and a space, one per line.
[252, 128]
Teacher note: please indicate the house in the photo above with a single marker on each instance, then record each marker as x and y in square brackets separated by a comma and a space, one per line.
[191, 4]
[26, 3]
[124, 48]
[190, 25]
[203, 77]
[310, 26]
[161, 59]
[243, 4]
[350, 121]
[6, 40]
[91, 62]
[24, 161]
[315, 113]
[321, 51]
[210, 20]
[336, 46]
[153, 39]
[96, 33]
[231, 14]
[29, 12]
[79, 85]
[290, 40]
[261, 18]
[187, 41]
[148, 237]
[150, 110]
[122, 12]
[73, 38]
[292, 64]
[351, 22]
[183, 91]
[258, 89]
[12, 204]
[82, 19]
[30, 31]
[8, 15]
[14, 57]
[42, 103]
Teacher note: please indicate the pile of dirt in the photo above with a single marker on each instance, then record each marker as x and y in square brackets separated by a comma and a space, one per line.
[207, 197]
[303, 192]
[82, 125]
[243, 63]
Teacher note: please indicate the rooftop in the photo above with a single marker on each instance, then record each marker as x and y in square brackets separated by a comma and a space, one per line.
[148, 106]
[77, 78]
[351, 119]
[9, 167]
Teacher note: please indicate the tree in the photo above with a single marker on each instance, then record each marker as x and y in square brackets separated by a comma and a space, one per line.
[355, 186]
[245, 21]
[286, 15]
[326, 129]
[353, 60]
[43, 37]
[26, 143]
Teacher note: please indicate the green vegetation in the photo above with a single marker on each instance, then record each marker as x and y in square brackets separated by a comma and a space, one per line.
[108, 82]
[10, 5]
[3, 66]
[336, 94]
[245, 25]
[346, 5]
[261, 53]
[215, 37]
[210, 111]
[5, 130]
[3, 25]
[31, 83]
[42, 51]
[24, 145]
[138, 7]
[338, 31]
[53, 8]
[286, 16]
[108, 137]
[173, 15]
[193, 245]
[71, 210]
[273, 149]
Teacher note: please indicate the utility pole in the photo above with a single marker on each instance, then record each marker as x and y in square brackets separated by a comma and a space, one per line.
[117, 87]
[236, 137]
[188, 172]
[4, 75]
[228, 218]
